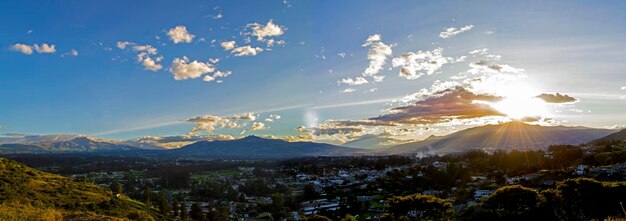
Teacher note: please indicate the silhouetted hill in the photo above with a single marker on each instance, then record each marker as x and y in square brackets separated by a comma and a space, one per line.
[257, 147]
[506, 136]
[617, 136]
[25, 191]
[79, 144]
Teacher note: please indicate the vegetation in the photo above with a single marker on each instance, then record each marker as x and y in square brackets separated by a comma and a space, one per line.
[419, 207]
[572, 199]
[26, 192]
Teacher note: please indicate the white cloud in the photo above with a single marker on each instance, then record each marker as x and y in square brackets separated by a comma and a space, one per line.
[214, 60]
[28, 49]
[149, 63]
[123, 44]
[416, 64]
[268, 30]
[481, 51]
[218, 16]
[44, 48]
[272, 118]
[210, 123]
[341, 54]
[144, 55]
[353, 81]
[271, 42]
[348, 90]
[623, 88]
[246, 51]
[452, 31]
[217, 74]
[258, 126]
[144, 58]
[146, 48]
[182, 69]
[489, 32]
[179, 34]
[377, 56]
[24, 49]
[228, 45]
[485, 67]
[74, 52]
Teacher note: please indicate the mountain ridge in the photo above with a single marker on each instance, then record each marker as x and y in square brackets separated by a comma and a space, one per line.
[78, 144]
[257, 147]
[506, 136]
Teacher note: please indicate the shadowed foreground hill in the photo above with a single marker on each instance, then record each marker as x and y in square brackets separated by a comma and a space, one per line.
[29, 194]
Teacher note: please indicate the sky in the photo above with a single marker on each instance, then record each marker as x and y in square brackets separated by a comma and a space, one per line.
[328, 71]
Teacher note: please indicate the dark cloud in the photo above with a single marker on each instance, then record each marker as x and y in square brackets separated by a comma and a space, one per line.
[443, 106]
[556, 98]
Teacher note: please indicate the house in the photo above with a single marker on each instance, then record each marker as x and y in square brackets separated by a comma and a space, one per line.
[481, 194]
[431, 192]
[580, 170]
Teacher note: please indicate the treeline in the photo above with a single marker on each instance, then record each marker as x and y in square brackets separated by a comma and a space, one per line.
[316, 165]
[516, 162]
[572, 199]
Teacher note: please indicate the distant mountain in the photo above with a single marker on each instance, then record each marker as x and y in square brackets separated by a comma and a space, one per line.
[506, 136]
[257, 147]
[620, 135]
[39, 138]
[78, 144]
[370, 142]
[48, 194]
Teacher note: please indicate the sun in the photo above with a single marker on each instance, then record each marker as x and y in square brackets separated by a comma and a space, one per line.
[520, 102]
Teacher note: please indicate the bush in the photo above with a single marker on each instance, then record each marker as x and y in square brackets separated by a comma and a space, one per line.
[420, 207]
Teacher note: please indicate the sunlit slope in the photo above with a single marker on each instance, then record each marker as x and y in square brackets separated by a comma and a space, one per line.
[507, 136]
[24, 190]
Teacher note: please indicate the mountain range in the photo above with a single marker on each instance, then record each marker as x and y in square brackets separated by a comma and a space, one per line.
[506, 136]
[78, 144]
[257, 147]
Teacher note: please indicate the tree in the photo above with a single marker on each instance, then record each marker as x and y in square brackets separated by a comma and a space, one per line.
[514, 203]
[183, 211]
[278, 202]
[310, 192]
[175, 207]
[196, 212]
[586, 199]
[348, 217]
[218, 214]
[164, 205]
[316, 217]
[420, 207]
[147, 195]
[116, 188]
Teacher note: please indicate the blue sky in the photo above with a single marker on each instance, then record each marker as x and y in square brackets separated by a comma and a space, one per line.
[569, 47]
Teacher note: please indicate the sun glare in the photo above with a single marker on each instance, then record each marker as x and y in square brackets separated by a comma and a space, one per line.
[520, 102]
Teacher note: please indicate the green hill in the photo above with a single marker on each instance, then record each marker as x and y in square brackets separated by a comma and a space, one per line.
[27, 193]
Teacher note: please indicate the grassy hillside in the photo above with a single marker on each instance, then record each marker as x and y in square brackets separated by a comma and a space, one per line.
[27, 194]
